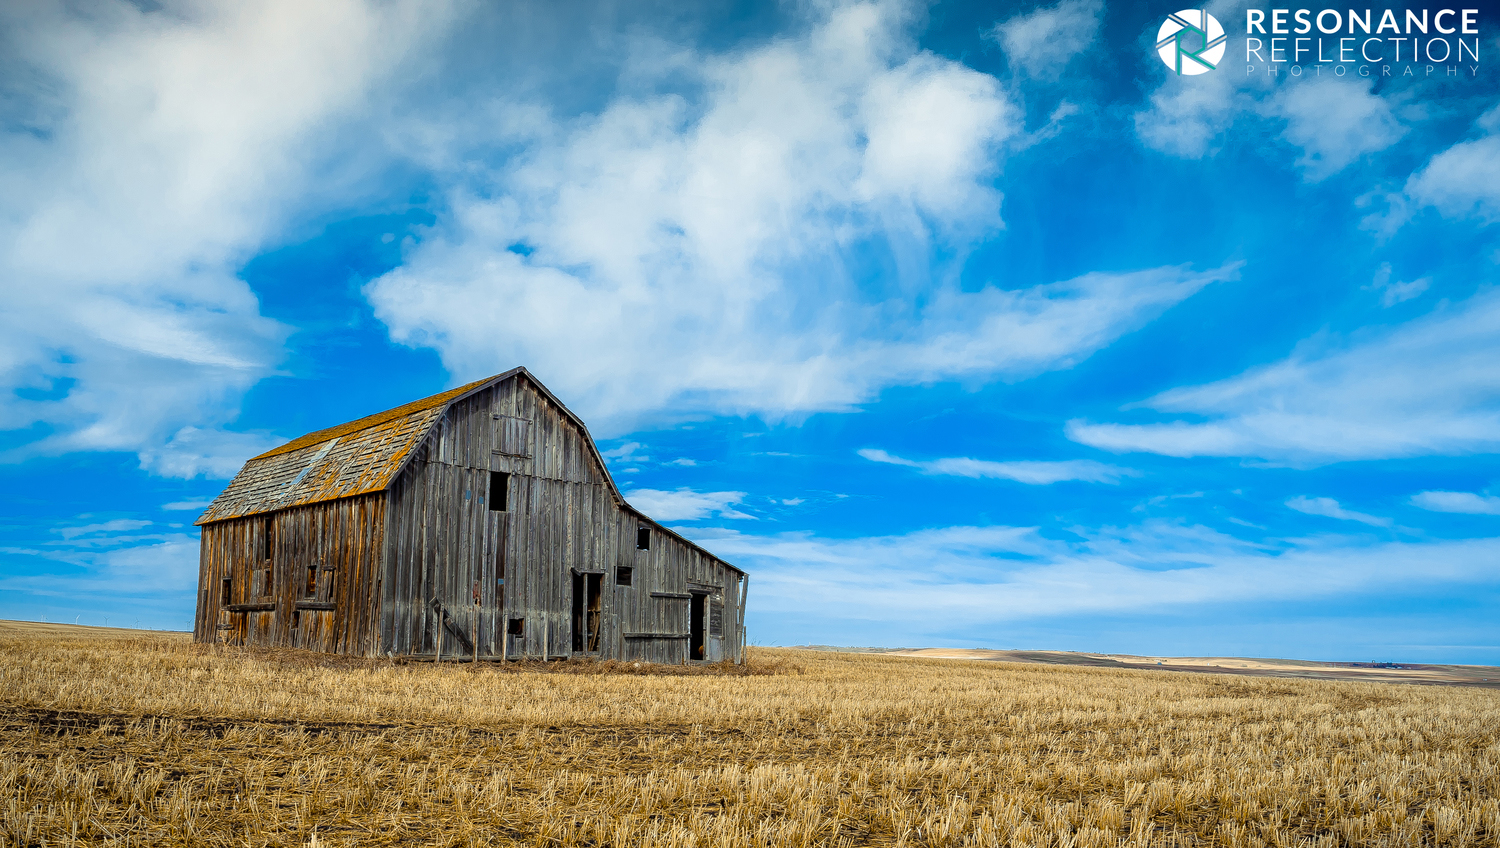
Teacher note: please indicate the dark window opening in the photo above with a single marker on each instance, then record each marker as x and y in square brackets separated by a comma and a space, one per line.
[312, 581]
[516, 627]
[226, 589]
[267, 539]
[623, 575]
[499, 489]
[296, 618]
[643, 538]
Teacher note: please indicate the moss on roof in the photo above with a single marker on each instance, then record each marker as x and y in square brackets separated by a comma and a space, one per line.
[372, 420]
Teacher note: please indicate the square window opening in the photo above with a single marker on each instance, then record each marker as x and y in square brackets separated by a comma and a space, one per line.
[516, 627]
[624, 574]
[643, 538]
[498, 499]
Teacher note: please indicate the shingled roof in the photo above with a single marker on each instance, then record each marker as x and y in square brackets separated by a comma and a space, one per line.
[339, 462]
[366, 454]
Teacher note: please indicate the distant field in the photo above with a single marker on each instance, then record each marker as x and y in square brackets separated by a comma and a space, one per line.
[1483, 676]
[112, 737]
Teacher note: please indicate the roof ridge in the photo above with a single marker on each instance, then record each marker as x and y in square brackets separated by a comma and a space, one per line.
[319, 436]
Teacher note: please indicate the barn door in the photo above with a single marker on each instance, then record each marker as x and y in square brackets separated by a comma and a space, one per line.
[697, 631]
[457, 570]
[588, 611]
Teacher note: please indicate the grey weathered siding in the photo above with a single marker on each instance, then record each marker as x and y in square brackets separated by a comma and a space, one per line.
[562, 520]
[269, 602]
[397, 570]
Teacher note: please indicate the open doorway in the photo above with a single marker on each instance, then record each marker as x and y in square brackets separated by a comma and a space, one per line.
[697, 644]
[588, 611]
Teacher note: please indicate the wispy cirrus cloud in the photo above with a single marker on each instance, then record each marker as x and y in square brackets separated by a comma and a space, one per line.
[1033, 472]
[1426, 387]
[1330, 508]
[1464, 502]
[684, 504]
[989, 576]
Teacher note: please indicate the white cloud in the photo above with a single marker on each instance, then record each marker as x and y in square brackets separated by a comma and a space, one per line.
[625, 453]
[1427, 387]
[684, 504]
[1462, 180]
[146, 154]
[192, 451]
[114, 526]
[712, 255]
[1043, 42]
[1328, 507]
[104, 568]
[129, 570]
[1466, 502]
[187, 505]
[1033, 472]
[986, 575]
[1392, 293]
[1188, 115]
[1334, 122]
[1459, 182]
[683, 462]
[1330, 122]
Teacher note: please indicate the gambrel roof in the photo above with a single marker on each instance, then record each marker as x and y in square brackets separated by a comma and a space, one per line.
[367, 454]
[351, 459]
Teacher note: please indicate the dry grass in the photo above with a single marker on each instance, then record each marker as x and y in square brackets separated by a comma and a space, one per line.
[151, 740]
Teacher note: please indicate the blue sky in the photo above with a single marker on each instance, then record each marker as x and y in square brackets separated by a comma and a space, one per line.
[960, 324]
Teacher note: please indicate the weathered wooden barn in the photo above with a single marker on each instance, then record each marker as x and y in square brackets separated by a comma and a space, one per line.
[480, 523]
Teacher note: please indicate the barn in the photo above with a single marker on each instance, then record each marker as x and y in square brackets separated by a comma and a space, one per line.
[480, 523]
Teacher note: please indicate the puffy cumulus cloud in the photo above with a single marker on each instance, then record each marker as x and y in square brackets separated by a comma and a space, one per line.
[1334, 122]
[684, 504]
[1033, 472]
[985, 575]
[1462, 180]
[145, 154]
[1188, 115]
[1329, 122]
[763, 246]
[1426, 387]
[1330, 508]
[1042, 43]
[1465, 502]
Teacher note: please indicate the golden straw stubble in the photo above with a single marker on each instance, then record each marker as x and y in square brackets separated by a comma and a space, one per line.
[153, 740]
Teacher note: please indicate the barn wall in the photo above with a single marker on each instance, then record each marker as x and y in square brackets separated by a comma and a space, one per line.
[445, 542]
[334, 544]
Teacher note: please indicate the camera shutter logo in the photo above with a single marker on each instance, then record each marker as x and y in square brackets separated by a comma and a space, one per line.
[1191, 42]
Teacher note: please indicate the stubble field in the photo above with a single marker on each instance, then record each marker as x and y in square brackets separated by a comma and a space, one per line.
[119, 739]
